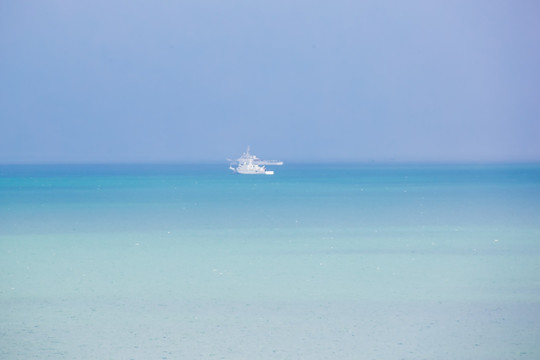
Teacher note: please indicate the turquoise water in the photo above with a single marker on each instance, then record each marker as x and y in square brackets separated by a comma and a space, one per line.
[315, 262]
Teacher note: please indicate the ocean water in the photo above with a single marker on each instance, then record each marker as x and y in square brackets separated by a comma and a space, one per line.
[317, 261]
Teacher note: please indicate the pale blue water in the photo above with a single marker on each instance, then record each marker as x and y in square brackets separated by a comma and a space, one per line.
[315, 262]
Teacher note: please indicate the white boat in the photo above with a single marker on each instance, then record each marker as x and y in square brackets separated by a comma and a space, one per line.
[252, 165]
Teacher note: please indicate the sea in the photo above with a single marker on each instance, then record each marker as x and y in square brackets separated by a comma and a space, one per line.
[319, 261]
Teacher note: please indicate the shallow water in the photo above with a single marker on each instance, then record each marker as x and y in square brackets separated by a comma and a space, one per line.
[316, 262]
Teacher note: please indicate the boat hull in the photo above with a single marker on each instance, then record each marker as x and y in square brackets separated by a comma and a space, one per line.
[254, 171]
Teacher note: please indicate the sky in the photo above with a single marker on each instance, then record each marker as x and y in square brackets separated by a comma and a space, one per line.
[197, 81]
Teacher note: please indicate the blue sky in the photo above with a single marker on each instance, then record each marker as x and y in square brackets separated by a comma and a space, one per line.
[177, 81]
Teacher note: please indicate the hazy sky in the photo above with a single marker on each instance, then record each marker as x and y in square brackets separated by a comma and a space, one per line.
[145, 81]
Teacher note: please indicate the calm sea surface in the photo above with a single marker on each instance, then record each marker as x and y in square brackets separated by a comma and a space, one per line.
[315, 262]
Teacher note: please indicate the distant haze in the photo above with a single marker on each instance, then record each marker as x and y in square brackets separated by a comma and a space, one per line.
[189, 81]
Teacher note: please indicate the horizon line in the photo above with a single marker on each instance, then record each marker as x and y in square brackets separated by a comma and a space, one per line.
[293, 162]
